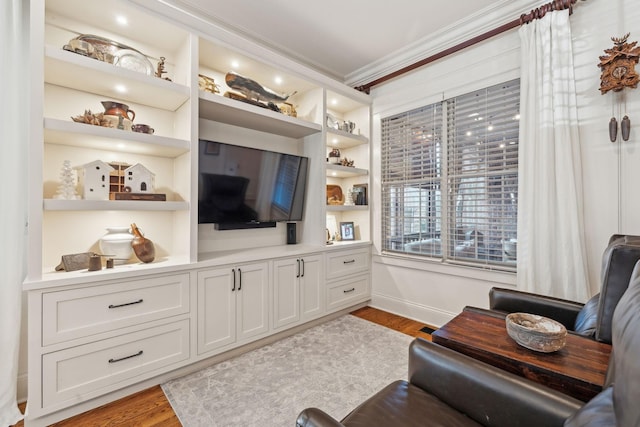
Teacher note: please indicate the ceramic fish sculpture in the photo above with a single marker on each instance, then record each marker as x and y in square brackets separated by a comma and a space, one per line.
[252, 89]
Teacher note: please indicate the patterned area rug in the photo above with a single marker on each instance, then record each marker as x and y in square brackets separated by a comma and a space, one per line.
[334, 366]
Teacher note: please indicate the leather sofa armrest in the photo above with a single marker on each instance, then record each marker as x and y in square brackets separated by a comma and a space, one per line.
[484, 393]
[314, 417]
[512, 301]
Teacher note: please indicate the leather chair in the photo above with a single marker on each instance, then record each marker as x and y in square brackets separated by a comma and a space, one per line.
[592, 319]
[449, 389]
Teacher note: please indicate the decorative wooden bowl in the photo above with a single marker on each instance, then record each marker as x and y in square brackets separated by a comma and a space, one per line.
[535, 332]
[334, 195]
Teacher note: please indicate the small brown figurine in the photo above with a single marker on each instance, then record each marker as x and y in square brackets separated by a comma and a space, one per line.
[160, 69]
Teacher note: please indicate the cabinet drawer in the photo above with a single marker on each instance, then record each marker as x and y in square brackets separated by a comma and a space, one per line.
[79, 373]
[340, 264]
[82, 312]
[348, 291]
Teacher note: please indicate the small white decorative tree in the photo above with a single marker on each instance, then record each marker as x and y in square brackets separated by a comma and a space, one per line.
[67, 187]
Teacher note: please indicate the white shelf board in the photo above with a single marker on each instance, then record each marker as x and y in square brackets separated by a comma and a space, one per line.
[341, 139]
[338, 171]
[343, 208]
[113, 205]
[71, 70]
[230, 111]
[75, 134]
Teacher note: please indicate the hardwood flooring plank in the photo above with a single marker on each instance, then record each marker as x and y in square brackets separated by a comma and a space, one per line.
[150, 407]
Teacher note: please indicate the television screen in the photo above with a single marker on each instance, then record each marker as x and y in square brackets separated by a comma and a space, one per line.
[240, 187]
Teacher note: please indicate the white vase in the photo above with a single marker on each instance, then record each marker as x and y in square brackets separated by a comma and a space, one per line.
[116, 244]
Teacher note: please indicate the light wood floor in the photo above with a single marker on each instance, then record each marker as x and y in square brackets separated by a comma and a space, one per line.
[150, 408]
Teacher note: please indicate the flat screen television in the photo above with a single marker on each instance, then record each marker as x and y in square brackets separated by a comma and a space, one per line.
[241, 187]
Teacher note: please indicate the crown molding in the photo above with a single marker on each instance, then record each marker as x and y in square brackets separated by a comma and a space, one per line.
[467, 28]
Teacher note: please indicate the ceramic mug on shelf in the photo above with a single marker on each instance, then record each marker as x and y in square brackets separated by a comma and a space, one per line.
[141, 128]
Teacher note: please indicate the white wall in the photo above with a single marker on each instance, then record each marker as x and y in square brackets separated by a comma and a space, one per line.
[433, 293]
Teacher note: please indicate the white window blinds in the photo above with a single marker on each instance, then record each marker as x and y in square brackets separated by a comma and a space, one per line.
[465, 148]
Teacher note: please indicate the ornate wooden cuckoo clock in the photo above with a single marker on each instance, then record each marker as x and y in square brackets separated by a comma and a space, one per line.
[618, 66]
[618, 72]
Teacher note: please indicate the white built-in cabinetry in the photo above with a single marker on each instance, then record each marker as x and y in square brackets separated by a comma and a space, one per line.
[298, 290]
[97, 336]
[233, 303]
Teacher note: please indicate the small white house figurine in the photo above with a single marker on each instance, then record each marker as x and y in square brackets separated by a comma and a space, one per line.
[93, 180]
[139, 179]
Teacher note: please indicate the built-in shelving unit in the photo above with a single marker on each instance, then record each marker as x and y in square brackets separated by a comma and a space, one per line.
[353, 145]
[225, 110]
[68, 69]
[65, 132]
[69, 327]
[339, 171]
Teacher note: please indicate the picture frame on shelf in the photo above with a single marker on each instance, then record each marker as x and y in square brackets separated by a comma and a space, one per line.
[361, 191]
[347, 231]
[212, 148]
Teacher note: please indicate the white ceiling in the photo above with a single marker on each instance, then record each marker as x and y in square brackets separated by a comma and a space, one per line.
[345, 38]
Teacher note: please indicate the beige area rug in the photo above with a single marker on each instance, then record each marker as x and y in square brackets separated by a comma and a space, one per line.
[334, 366]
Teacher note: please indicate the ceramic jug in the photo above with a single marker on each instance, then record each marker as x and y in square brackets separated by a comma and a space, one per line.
[142, 247]
[112, 108]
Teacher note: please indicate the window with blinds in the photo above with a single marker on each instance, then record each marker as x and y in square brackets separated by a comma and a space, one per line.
[450, 178]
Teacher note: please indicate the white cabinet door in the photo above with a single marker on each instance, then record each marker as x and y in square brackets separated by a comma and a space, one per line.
[252, 294]
[312, 288]
[286, 292]
[216, 309]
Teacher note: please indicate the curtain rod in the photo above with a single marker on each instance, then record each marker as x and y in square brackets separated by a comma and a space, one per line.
[534, 14]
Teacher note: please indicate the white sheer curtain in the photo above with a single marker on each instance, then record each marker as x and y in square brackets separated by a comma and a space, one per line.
[13, 175]
[551, 245]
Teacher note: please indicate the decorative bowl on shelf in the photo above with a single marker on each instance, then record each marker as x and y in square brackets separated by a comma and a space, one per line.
[535, 332]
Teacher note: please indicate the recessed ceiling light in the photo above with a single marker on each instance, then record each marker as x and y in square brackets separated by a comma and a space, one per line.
[122, 20]
[235, 64]
[121, 145]
[278, 80]
[334, 140]
[120, 88]
[334, 101]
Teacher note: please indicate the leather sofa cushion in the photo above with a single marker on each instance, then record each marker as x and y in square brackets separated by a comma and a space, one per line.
[587, 319]
[618, 261]
[598, 412]
[402, 404]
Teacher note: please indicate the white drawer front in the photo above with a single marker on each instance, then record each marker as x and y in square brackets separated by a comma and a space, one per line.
[340, 264]
[82, 312]
[348, 291]
[79, 373]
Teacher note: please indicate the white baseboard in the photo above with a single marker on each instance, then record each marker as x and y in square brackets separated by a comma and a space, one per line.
[425, 314]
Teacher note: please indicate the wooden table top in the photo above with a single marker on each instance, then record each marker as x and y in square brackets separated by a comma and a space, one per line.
[578, 369]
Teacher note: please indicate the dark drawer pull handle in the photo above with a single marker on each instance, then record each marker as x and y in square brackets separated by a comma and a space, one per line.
[349, 262]
[349, 290]
[125, 304]
[126, 357]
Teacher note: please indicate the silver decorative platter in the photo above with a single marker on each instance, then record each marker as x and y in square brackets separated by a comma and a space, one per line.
[110, 51]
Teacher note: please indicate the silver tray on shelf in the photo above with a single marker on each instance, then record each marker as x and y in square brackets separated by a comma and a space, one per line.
[110, 51]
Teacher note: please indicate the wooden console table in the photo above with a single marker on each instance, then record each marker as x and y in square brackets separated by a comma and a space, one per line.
[578, 369]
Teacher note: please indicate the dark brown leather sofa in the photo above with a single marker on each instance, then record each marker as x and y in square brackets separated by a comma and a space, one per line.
[592, 319]
[448, 389]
